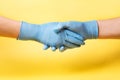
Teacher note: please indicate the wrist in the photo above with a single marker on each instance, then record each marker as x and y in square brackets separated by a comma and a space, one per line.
[91, 28]
[28, 31]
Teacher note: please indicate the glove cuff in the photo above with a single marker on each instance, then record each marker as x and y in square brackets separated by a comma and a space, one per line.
[92, 29]
[28, 31]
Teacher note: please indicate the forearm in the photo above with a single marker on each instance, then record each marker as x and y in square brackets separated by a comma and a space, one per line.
[109, 29]
[9, 28]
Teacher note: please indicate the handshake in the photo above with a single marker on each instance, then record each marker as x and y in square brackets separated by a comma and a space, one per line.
[62, 35]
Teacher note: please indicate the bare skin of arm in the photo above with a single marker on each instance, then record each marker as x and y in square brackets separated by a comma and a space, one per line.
[109, 29]
[9, 28]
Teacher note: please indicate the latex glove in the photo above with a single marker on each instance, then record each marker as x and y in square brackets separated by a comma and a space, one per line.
[45, 33]
[88, 30]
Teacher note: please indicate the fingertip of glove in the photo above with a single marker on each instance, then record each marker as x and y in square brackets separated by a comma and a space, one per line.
[53, 48]
[62, 48]
[45, 47]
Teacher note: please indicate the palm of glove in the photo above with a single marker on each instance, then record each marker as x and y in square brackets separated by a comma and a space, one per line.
[48, 36]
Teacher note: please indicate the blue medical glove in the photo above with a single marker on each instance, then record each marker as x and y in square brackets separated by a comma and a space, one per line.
[88, 30]
[45, 33]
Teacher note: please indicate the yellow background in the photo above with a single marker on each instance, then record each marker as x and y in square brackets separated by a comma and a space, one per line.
[22, 60]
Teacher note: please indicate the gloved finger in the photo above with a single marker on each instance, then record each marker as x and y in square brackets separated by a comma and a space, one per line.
[53, 48]
[62, 48]
[74, 40]
[71, 45]
[45, 47]
[65, 48]
[73, 34]
[60, 27]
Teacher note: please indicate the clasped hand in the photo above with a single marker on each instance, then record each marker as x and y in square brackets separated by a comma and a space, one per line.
[62, 35]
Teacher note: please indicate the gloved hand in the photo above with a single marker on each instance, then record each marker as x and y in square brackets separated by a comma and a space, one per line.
[88, 30]
[45, 33]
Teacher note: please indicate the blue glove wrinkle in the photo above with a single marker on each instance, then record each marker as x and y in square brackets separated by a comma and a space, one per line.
[71, 45]
[74, 35]
[73, 40]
